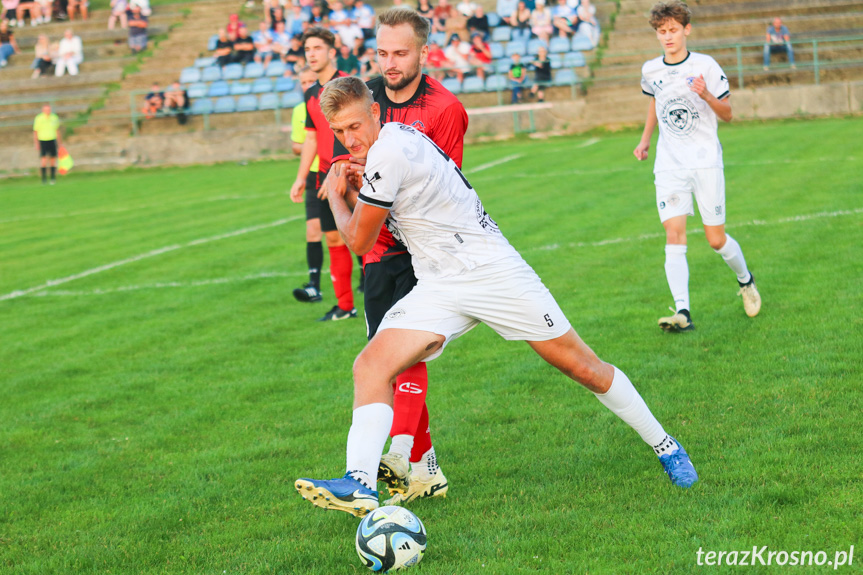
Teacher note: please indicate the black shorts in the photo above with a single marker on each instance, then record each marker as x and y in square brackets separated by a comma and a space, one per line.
[387, 281]
[48, 148]
[316, 207]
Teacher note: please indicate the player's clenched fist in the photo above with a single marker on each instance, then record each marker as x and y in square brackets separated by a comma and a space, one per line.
[641, 151]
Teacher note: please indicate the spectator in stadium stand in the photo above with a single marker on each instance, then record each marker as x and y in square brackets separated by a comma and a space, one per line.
[586, 22]
[426, 10]
[542, 73]
[47, 9]
[364, 16]
[541, 21]
[44, 60]
[278, 18]
[466, 8]
[517, 76]
[46, 138]
[244, 47]
[30, 7]
[346, 62]
[295, 56]
[436, 61]
[521, 23]
[138, 24]
[144, 5]
[70, 54]
[480, 55]
[234, 24]
[564, 19]
[369, 67]
[118, 12]
[8, 44]
[153, 101]
[778, 42]
[456, 23]
[177, 102]
[505, 9]
[441, 13]
[263, 40]
[478, 24]
[81, 5]
[270, 7]
[457, 53]
[338, 16]
[224, 49]
[10, 12]
[318, 17]
[297, 21]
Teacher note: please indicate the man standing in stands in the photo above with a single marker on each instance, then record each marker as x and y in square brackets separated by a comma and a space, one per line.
[46, 138]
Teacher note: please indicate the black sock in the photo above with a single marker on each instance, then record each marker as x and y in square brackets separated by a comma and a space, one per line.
[44, 175]
[53, 173]
[315, 259]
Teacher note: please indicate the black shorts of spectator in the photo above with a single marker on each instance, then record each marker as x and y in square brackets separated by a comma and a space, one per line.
[177, 102]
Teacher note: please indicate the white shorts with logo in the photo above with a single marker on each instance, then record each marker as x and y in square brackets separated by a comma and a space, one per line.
[507, 296]
[674, 191]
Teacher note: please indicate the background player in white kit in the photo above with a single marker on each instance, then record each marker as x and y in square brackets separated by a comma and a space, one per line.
[467, 273]
[688, 92]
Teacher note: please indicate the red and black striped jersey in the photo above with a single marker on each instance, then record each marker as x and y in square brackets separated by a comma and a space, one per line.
[316, 122]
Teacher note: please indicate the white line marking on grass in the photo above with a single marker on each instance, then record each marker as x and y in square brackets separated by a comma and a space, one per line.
[791, 219]
[150, 254]
[589, 142]
[488, 165]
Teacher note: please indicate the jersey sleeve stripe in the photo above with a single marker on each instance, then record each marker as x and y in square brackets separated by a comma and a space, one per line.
[724, 95]
[646, 93]
[372, 201]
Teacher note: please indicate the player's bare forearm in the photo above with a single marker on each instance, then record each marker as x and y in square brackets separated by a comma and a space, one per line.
[360, 228]
[307, 155]
[722, 108]
[641, 151]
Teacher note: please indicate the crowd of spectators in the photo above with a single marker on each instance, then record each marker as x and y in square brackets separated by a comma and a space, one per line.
[18, 12]
[63, 56]
[173, 101]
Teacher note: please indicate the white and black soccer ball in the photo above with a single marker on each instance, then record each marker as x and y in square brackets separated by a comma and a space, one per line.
[391, 538]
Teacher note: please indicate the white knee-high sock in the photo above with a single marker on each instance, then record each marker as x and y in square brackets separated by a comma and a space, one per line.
[402, 444]
[625, 402]
[677, 273]
[369, 431]
[733, 256]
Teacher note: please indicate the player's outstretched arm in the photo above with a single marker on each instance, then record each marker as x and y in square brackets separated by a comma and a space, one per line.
[722, 108]
[643, 147]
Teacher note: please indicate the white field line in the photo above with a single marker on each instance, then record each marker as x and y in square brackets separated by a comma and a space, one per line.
[139, 257]
[97, 211]
[588, 142]
[483, 167]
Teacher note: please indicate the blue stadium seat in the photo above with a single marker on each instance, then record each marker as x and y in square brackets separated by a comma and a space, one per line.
[574, 60]
[269, 101]
[565, 77]
[253, 70]
[496, 82]
[452, 84]
[262, 86]
[534, 45]
[291, 99]
[211, 43]
[502, 34]
[240, 88]
[580, 42]
[515, 48]
[202, 106]
[211, 74]
[502, 66]
[198, 90]
[224, 105]
[371, 43]
[190, 75]
[285, 84]
[220, 88]
[558, 45]
[204, 62]
[275, 68]
[493, 19]
[232, 72]
[496, 49]
[247, 103]
[472, 84]
[556, 60]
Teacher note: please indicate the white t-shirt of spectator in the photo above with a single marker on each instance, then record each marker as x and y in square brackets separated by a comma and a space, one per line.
[364, 17]
[466, 7]
[338, 18]
[263, 41]
[458, 55]
[71, 45]
[434, 211]
[688, 136]
[349, 34]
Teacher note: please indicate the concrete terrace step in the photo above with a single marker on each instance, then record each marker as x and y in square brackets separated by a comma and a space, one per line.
[18, 89]
[21, 72]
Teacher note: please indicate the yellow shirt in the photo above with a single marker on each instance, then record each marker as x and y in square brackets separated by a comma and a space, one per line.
[46, 127]
[298, 130]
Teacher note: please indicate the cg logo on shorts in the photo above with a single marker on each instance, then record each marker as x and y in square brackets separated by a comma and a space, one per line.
[680, 115]
[395, 314]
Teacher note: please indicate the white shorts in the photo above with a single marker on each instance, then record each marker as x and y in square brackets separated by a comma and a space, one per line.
[507, 296]
[674, 190]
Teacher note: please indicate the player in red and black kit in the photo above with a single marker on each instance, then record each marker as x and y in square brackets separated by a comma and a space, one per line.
[406, 95]
[319, 46]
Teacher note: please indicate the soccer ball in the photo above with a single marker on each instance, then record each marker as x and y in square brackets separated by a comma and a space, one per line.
[391, 538]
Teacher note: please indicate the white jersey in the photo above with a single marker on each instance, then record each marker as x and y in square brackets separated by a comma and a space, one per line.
[687, 126]
[434, 211]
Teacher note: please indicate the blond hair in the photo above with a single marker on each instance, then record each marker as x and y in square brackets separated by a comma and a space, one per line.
[674, 10]
[398, 16]
[342, 92]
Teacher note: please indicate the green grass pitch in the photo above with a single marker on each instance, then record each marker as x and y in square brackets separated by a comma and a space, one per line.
[161, 389]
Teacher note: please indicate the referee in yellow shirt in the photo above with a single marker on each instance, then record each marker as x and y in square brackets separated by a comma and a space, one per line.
[46, 138]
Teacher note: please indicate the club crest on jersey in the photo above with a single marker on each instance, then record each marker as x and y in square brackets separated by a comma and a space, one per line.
[485, 220]
[371, 180]
[680, 115]
[419, 126]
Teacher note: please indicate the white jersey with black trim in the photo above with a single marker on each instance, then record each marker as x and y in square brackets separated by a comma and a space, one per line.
[688, 136]
[434, 211]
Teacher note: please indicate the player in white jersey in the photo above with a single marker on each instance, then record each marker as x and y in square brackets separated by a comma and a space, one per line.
[688, 92]
[467, 273]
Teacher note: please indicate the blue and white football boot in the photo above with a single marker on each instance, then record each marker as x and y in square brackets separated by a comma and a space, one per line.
[678, 467]
[343, 494]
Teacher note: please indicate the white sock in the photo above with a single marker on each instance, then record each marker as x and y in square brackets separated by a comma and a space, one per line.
[402, 444]
[625, 402]
[366, 439]
[733, 256]
[677, 273]
[427, 466]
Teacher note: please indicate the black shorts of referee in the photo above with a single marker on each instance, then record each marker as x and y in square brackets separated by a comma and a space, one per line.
[316, 207]
[48, 148]
[387, 281]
